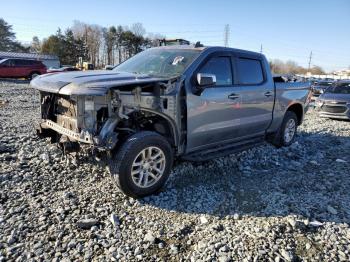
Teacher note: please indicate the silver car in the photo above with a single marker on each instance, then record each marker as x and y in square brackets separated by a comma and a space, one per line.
[335, 101]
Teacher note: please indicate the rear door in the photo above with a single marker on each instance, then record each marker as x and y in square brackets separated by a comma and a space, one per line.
[257, 94]
[214, 115]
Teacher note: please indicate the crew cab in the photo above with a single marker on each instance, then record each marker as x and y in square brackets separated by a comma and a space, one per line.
[176, 102]
[17, 68]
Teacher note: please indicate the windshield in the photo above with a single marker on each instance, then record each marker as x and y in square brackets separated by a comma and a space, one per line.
[2, 60]
[341, 88]
[159, 62]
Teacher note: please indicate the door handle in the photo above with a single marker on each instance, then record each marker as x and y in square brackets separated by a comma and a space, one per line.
[267, 94]
[233, 96]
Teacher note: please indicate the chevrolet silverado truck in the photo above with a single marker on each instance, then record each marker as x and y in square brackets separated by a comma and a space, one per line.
[169, 103]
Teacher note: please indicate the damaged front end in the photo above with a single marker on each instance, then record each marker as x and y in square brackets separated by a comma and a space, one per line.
[101, 122]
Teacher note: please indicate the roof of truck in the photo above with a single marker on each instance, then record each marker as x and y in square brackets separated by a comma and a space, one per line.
[214, 48]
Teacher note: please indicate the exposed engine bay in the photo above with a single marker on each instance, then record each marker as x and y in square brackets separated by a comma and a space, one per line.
[101, 121]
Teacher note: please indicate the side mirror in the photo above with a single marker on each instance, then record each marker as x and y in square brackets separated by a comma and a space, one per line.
[109, 67]
[206, 79]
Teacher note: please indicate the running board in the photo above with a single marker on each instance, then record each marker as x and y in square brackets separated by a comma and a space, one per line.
[220, 151]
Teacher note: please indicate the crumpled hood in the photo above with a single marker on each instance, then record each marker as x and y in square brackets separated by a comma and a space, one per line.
[96, 82]
[335, 97]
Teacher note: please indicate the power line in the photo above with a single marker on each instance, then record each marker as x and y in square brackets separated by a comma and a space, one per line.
[310, 58]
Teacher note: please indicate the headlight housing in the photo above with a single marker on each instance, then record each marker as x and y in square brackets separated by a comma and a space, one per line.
[89, 116]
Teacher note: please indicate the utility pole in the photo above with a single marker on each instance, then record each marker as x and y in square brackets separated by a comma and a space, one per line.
[226, 34]
[310, 58]
[261, 49]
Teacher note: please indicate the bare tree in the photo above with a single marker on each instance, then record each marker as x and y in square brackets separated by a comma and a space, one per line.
[35, 46]
[291, 67]
[138, 29]
[92, 36]
[110, 37]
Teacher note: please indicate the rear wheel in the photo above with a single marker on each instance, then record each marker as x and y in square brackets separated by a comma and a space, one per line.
[285, 136]
[143, 164]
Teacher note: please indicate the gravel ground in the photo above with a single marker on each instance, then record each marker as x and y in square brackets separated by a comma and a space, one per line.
[265, 204]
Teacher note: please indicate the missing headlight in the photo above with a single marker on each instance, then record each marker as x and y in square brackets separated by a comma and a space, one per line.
[89, 104]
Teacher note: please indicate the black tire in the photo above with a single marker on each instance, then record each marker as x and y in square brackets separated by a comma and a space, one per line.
[279, 139]
[33, 75]
[120, 165]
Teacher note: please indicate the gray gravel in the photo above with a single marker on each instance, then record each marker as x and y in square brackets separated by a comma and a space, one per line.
[265, 204]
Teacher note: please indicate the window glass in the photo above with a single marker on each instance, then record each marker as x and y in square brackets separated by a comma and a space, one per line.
[221, 68]
[19, 62]
[8, 63]
[249, 71]
[159, 62]
[340, 88]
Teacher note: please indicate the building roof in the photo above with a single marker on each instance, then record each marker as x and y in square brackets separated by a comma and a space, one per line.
[27, 56]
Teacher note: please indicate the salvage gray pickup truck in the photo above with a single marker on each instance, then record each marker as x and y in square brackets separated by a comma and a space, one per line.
[166, 103]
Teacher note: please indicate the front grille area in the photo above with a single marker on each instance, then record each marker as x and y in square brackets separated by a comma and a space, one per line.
[334, 109]
[66, 113]
[66, 106]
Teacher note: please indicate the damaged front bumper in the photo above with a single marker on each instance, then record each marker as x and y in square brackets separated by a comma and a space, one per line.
[83, 137]
[72, 141]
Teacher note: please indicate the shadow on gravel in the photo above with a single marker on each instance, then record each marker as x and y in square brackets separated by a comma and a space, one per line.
[309, 179]
[14, 81]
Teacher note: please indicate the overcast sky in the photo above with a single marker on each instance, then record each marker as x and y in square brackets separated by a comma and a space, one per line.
[285, 29]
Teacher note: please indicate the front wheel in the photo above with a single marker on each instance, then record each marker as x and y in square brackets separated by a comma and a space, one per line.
[285, 136]
[143, 164]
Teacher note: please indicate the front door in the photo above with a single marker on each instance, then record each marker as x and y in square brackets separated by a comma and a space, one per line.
[214, 115]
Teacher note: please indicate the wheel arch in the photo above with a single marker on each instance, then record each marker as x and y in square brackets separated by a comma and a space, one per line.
[298, 110]
[159, 123]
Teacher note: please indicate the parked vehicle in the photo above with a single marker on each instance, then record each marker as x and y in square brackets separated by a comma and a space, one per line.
[319, 87]
[166, 103]
[63, 69]
[16, 68]
[335, 101]
[109, 67]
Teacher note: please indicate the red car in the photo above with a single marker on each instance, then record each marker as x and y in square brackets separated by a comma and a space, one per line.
[16, 68]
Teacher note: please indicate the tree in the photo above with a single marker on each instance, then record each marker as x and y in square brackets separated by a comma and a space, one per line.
[55, 45]
[8, 39]
[290, 67]
[65, 46]
[119, 42]
[138, 29]
[110, 37]
[51, 45]
[92, 35]
[317, 70]
[35, 46]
